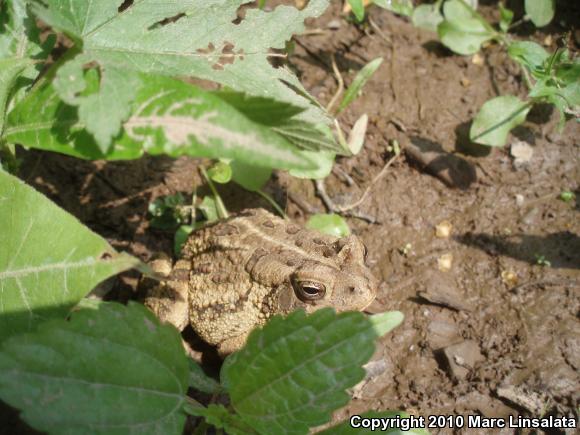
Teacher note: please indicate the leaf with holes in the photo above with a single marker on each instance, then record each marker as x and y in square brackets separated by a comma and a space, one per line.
[169, 117]
[109, 370]
[200, 38]
[48, 259]
[293, 373]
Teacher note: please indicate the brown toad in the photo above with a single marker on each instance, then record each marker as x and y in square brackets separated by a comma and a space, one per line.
[234, 275]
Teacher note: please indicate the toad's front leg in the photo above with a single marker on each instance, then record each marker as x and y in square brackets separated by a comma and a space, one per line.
[168, 298]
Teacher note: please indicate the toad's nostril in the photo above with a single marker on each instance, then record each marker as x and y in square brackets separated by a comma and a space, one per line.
[352, 289]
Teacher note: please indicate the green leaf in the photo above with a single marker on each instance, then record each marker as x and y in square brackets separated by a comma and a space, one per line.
[362, 77]
[186, 38]
[110, 370]
[332, 224]
[181, 236]
[250, 177]
[10, 70]
[427, 16]
[209, 209]
[103, 111]
[221, 418]
[293, 373]
[530, 55]
[265, 111]
[540, 12]
[463, 30]
[324, 161]
[386, 322]
[311, 137]
[220, 172]
[345, 428]
[356, 137]
[567, 196]
[401, 7]
[18, 32]
[496, 118]
[506, 17]
[358, 9]
[48, 261]
[170, 117]
[200, 381]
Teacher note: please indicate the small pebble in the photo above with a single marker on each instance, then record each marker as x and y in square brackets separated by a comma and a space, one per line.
[445, 262]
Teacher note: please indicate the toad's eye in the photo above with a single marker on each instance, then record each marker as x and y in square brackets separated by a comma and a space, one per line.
[308, 291]
[365, 251]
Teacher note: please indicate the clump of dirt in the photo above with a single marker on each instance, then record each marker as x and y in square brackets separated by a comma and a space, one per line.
[491, 308]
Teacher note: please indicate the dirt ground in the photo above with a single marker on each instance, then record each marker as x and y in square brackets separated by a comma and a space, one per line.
[498, 332]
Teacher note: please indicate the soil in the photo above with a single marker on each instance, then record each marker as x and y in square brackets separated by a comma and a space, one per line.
[491, 311]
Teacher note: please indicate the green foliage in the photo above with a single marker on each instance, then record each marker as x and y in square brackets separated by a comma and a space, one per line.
[540, 12]
[204, 43]
[506, 17]
[551, 78]
[169, 117]
[115, 369]
[332, 224]
[362, 77]
[463, 30]
[48, 259]
[428, 16]
[567, 196]
[108, 370]
[496, 118]
[301, 362]
[220, 172]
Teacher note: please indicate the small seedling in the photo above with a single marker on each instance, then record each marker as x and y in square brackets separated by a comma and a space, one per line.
[567, 196]
[541, 261]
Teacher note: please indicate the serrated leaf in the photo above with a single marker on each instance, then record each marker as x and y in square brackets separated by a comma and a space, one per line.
[293, 373]
[540, 12]
[111, 370]
[530, 55]
[187, 38]
[170, 117]
[48, 259]
[345, 428]
[496, 118]
[463, 30]
[200, 381]
[251, 178]
[10, 70]
[362, 77]
[221, 418]
[427, 16]
[103, 111]
[332, 224]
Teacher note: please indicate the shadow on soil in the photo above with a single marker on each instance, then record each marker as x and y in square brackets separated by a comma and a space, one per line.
[561, 250]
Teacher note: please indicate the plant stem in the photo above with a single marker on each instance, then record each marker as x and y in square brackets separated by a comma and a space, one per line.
[272, 203]
[221, 208]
